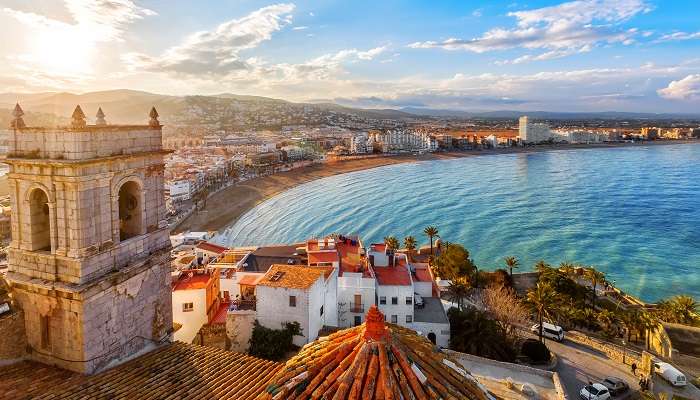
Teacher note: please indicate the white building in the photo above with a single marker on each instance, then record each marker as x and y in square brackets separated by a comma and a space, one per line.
[195, 302]
[180, 190]
[400, 140]
[359, 144]
[290, 293]
[530, 132]
[294, 153]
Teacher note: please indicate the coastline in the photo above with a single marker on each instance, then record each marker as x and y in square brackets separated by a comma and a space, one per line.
[224, 208]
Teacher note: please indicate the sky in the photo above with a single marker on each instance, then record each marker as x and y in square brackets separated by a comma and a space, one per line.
[584, 55]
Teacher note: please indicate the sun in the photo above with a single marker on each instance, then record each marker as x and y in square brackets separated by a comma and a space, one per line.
[63, 51]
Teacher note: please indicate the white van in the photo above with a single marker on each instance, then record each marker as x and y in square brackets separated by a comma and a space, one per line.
[550, 331]
[670, 374]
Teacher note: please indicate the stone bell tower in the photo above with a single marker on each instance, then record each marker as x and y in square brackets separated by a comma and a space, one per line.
[89, 258]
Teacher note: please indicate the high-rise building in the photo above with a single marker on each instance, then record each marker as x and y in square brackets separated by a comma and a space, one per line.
[530, 132]
[89, 258]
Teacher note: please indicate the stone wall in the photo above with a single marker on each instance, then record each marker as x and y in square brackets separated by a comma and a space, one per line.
[213, 335]
[82, 144]
[239, 329]
[613, 351]
[13, 339]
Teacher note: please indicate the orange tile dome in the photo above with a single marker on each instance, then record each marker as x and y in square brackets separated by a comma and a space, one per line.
[375, 360]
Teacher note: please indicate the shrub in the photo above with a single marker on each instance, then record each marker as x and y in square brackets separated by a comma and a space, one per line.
[473, 332]
[273, 344]
[536, 351]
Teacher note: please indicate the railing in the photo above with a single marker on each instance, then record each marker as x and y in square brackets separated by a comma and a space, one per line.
[357, 308]
[240, 305]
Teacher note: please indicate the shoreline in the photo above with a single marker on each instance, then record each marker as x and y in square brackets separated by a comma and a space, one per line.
[224, 208]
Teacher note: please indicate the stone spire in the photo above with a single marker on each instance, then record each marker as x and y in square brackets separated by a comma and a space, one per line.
[17, 122]
[78, 118]
[100, 120]
[154, 118]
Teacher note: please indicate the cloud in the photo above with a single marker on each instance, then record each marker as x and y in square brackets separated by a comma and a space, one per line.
[679, 36]
[98, 20]
[477, 13]
[687, 88]
[216, 52]
[300, 28]
[564, 28]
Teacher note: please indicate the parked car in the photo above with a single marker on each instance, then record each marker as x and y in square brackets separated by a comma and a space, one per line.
[595, 391]
[550, 331]
[616, 386]
[669, 373]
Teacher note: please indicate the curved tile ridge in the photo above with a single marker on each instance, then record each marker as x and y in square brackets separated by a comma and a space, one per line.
[373, 361]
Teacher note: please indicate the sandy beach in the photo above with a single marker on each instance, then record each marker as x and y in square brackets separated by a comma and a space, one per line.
[225, 207]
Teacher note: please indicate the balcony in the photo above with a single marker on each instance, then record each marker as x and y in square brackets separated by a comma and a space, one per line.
[357, 308]
[242, 305]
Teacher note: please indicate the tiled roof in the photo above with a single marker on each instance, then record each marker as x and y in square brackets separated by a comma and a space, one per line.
[292, 276]
[198, 280]
[373, 361]
[177, 371]
[323, 256]
[250, 280]
[214, 248]
[393, 276]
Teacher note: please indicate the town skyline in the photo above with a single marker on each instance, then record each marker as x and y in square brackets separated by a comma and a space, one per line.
[581, 56]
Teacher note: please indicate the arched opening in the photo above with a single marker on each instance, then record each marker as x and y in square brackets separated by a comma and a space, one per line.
[39, 221]
[432, 338]
[129, 210]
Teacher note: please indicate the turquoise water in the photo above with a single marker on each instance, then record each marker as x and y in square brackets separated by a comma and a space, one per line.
[633, 212]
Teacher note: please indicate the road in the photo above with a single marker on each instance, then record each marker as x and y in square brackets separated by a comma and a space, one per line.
[579, 364]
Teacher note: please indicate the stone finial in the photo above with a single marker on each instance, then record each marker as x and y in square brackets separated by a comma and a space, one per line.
[154, 118]
[78, 118]
[100, 117]
[17, 122]
[375, 328]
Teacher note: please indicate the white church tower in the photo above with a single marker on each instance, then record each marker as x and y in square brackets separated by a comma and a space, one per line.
[89, 258]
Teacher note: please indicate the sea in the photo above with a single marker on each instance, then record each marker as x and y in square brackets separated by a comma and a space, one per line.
[632, 212]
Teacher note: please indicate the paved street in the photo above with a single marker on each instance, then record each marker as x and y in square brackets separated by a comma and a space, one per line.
[579, 364]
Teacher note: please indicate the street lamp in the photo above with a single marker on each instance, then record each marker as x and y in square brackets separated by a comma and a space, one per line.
[624, 351]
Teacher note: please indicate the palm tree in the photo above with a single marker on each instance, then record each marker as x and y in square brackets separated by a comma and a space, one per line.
[431, 232]
[542, 298]
[392, 243]
[409, 242]
[681, 309]
[567, 268]
[542, 267]
[458, 291]
[511, 262]
[595, 277]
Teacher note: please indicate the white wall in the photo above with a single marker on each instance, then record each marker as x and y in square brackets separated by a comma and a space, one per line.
[330, 296]
[425, 289]
[193, 320]
[441, 331]
[349, 285]
[401, 309]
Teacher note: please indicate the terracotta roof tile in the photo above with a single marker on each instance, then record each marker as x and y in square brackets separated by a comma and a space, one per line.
[214, 248]
[373, 361]
[177, 371]
[292, 276]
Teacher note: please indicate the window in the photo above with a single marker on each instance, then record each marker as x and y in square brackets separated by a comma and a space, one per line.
[358, 320]
[226, 294]
[45, 327]
[382, 299]
[187, 307]
[409, 319]
[292, 301]
[129, 210]
[39, 221]
[394, 300]
[409, 300]
[394, 319]
[322, 311]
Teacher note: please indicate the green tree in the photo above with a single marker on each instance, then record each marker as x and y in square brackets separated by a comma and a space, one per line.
[595, 277]
[454, 263]
[458, 291]
[511, 262]
[542, 267]
[431, 232]
[392, 243]
[543, 299]
[473, 332]
[273, 344]
[680, 309]
[409, 242]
